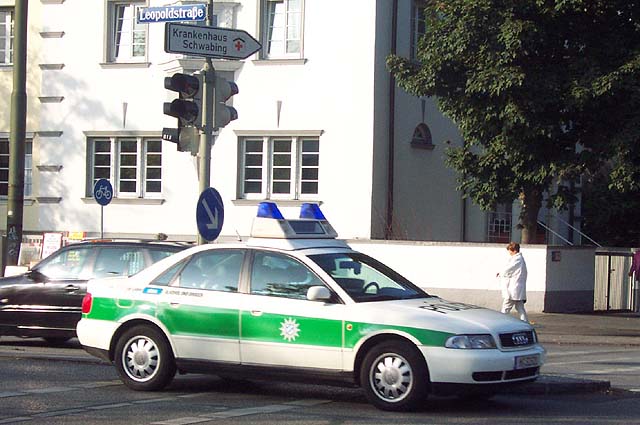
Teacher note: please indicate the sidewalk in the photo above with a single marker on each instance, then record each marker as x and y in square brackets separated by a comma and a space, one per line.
[614, 328]
[602, 328]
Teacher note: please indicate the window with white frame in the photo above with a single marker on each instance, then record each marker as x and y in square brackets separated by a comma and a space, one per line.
[281, 28]
[279, 167]
[418, 25]
[127, 39]
[4, 168]
[6, 36]
[132, 164]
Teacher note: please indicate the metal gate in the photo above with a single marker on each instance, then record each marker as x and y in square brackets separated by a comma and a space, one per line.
[613, 288]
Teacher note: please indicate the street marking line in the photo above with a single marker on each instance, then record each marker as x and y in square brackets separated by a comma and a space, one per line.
[48, 390]
[109, 406]
[233, 413]
[11, 394]
[15, 419]
[183, 421]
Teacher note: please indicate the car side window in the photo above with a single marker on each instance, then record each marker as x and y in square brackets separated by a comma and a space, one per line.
[216, 270]
[167, 277]
[66, 264]
[118, 262]
[281, 276]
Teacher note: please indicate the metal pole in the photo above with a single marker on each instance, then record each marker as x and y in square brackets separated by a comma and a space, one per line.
[206, 136]
[101, 221]
[15, 195]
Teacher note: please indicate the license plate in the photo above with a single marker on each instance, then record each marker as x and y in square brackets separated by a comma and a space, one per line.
[523, 362]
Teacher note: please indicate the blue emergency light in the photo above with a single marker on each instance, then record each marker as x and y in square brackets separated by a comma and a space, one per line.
[269, 210]
[308, 210]
[270, 223]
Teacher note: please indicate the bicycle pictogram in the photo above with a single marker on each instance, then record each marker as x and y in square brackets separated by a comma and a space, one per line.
[103, 191]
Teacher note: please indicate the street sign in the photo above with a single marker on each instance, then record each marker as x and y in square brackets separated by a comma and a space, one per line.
[211, 42]
[192, 12]
[103, 192]
[210, 214]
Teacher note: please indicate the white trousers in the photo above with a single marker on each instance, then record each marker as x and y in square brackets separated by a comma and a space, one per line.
[508, 304]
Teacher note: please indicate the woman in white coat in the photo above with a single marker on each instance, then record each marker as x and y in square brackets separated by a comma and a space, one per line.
[514, 282]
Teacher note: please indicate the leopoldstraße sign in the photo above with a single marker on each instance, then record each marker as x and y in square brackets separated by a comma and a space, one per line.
[211, 42]
[194, 12]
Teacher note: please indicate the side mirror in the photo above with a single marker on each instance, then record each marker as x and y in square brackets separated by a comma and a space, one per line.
[318, 293]
[37, 276]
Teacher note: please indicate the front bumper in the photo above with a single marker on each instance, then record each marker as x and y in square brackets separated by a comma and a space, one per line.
[488, 366]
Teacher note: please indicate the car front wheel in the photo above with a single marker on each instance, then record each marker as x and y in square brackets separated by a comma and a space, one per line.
[394, 376]
[144, 359]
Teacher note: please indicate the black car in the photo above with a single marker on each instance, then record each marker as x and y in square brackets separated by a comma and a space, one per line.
[46, 301]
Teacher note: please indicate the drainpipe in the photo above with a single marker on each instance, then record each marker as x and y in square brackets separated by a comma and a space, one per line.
[388, 229]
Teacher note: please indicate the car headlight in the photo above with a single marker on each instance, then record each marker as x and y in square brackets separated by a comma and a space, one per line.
[470, 341]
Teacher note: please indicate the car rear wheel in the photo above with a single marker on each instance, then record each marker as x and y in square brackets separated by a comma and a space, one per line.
[144, 359]
[394, 376]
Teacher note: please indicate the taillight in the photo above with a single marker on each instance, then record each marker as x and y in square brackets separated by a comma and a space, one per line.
[86, 303]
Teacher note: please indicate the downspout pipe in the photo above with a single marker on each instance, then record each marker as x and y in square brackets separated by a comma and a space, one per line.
[388, 228]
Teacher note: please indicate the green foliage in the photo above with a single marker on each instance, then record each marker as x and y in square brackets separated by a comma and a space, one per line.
[542, 92]
[610, 216]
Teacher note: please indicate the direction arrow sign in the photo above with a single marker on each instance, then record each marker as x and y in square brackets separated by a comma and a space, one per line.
[210, 214]
[212, 42]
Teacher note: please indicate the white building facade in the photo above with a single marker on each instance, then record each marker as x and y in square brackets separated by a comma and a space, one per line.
[320, 120]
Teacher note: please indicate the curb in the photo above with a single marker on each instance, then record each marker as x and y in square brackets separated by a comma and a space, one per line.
[555, 384]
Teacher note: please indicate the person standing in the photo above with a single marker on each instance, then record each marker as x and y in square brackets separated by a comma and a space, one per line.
[635, 265]
[514, 282]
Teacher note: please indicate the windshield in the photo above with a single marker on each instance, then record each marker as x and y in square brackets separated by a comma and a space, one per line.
[366, 279]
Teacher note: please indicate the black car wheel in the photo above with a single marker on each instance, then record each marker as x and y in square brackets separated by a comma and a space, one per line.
[394, 376]
[144, 359]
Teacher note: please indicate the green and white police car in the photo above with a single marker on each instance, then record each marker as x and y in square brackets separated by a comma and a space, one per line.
[293, 302]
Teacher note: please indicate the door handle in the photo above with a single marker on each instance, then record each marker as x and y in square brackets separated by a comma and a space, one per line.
[71, 288]
[256, 313]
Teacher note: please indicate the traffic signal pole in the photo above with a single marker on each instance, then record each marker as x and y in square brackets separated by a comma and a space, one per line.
[207, 138]
[15, 194]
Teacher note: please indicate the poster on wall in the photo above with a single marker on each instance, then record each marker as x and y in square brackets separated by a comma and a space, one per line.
[51, 242]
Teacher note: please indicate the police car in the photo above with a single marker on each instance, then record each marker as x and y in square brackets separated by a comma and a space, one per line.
[293, 302]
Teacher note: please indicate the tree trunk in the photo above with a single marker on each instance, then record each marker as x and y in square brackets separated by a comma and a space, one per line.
[531, 202]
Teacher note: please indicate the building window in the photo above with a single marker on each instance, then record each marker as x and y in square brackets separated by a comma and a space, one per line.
[127, 40]
[418, 25]
[6, 36]
[4, 168]
[282, 28]
[280, 167]
[499, 224]
[132, 164]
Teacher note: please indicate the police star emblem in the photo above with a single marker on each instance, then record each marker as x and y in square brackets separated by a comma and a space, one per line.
[289, 329]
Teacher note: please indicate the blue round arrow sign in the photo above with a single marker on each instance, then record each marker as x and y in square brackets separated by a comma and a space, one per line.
[209, 214]
[103, 192]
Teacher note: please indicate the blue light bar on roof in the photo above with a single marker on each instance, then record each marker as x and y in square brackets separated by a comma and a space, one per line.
[270, 223]
[308, 210]
[269, 210]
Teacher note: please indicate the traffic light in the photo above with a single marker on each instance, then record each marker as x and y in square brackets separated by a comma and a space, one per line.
[189, 103]
[187, 138]
[187, 108]
[224, 113]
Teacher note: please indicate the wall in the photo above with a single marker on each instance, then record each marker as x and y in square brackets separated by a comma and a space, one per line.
[466, 272]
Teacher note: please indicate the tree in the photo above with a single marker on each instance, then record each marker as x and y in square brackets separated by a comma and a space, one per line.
[541, 90]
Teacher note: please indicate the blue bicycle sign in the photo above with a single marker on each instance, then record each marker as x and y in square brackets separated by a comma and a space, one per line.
[103, 192]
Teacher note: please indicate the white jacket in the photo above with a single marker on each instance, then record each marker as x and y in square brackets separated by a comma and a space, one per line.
[514, 278]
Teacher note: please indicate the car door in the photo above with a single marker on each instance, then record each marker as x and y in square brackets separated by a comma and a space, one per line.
[279, 326]
[51, 296]
[200, 305]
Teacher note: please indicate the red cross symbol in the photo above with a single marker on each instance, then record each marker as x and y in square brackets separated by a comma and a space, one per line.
[239, 44]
